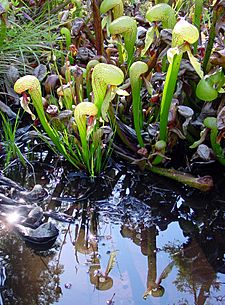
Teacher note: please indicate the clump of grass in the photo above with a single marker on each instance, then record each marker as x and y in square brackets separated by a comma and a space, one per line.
[25, 42]
[12, 150]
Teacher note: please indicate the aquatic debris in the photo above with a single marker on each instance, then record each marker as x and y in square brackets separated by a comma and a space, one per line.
[128, 208]
[9, 183]
[34, 217]
[37, 194]
[7, 201]
[111, 302]
[2, 276]
[40, 238]
[68, 285]
[60, 216]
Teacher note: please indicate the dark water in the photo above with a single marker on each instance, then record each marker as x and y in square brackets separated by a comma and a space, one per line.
[155, 242]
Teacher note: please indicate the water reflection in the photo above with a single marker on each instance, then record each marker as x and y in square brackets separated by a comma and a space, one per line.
[86, 242]
[146, 239]
[198, 260]
[133, 239]
[195, 274]
[30, 278]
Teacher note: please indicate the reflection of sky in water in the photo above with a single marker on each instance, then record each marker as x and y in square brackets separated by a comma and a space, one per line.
[129, 274]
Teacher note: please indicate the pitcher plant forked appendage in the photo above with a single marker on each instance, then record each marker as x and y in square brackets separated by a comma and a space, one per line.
[104, 75]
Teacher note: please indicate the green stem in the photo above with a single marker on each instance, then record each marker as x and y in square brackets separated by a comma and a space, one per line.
[120, 49]
[211, 123]
[183, 33]
[168, 91]
[197, 19]
[217, 13]
[81, 111]
[91, 64]
[36, 97]
[204, 184]
[136, 70]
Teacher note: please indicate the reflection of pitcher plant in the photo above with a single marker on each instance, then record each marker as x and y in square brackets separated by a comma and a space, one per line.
[86, 243]
[154, 287]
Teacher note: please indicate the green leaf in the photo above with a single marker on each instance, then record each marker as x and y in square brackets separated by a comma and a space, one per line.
[205, 91]
[203, 135]
[24, 104]
[148, 40]
[171, 53]
[104, 21]
[221, 90]
[195, 63]
[105, 105]
[121, 92]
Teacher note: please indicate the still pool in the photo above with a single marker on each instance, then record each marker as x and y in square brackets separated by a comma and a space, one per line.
[134, 239]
